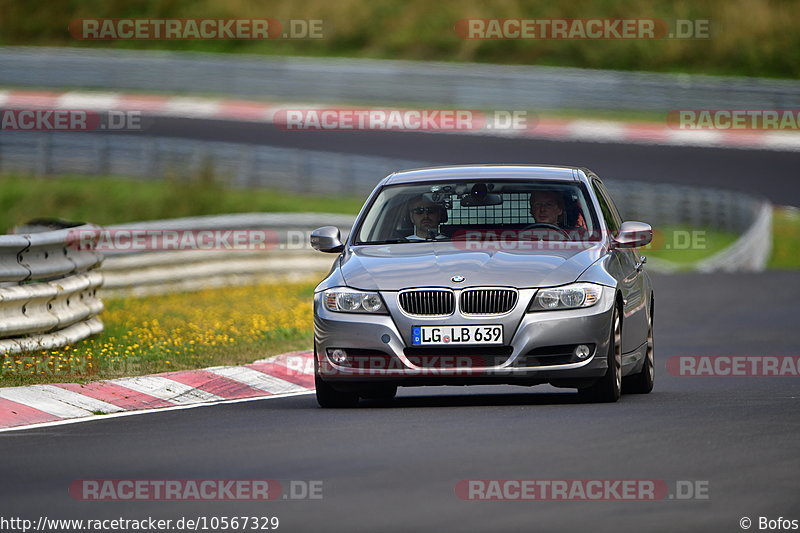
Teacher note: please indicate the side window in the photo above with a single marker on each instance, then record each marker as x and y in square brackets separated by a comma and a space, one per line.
[610, 214]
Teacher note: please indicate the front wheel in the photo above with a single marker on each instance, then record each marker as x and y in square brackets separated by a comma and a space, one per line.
[607, 389]
[329, 397]
[642, 382]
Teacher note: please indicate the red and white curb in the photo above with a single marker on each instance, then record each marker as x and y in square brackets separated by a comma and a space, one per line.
[45, 405]
[545, 128]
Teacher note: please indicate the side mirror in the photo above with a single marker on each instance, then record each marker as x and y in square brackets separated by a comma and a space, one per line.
[327, 239]
[633, 234]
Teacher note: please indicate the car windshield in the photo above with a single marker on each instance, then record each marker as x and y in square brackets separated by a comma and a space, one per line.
[462, 210]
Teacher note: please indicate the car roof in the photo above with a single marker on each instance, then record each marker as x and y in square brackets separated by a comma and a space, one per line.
[483, 172]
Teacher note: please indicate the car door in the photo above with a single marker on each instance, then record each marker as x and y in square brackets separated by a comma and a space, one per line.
[631, 279]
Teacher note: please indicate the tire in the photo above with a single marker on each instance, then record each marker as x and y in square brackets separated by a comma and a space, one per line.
[608, 388]
[327, 396]
[331, 398]
[642, 382]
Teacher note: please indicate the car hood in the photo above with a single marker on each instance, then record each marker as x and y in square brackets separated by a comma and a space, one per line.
[398, 266]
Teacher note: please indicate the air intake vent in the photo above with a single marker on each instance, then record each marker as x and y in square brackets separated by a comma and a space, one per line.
[488, 301]
[428, 302]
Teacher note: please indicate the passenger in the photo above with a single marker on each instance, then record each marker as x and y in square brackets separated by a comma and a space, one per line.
[547, 207]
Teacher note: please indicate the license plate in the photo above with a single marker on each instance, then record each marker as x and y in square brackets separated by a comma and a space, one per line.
[439, 335]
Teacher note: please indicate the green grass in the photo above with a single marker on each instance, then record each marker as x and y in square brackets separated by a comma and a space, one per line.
[179, 331]
[785, 238]
[104, 201]
[146, 364]
[749, 37]
[670, 243]
[684, 245]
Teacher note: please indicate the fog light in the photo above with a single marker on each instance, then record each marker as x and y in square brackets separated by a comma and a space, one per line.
[582, 351]
[337, 355]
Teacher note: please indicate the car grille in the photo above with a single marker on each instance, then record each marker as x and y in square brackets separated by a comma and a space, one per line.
[488, 301]
[427, 302]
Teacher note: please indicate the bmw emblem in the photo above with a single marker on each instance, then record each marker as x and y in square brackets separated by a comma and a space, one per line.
[457, 279]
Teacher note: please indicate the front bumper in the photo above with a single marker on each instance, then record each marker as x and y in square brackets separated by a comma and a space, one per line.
[381, 346]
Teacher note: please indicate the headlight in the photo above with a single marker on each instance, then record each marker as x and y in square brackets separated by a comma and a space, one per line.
[346, 300]
[567, 297]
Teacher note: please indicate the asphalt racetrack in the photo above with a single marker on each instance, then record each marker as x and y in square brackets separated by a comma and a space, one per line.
[772, 174]
[395, 468]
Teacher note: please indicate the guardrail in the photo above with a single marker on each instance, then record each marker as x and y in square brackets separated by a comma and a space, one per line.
[290, 257]
[661, 204]
[470, 85]
[703, 207]
[750, 252]
[238, 165]
[48, 291]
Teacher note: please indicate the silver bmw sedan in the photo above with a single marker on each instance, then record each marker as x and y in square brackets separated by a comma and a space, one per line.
[489, 274]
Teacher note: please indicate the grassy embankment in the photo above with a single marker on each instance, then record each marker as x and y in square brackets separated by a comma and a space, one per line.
[748, 38]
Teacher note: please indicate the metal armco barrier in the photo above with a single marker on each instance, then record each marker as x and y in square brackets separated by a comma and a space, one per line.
[140, 273]
[750, 252]
[467, 85]
[48, 291]
[241, 165]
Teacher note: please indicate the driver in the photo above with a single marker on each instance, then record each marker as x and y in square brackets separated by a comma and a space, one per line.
[547, 207]
[426, 217]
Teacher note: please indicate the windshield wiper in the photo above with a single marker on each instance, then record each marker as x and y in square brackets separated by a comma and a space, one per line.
[387, 241]
[400, 241]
